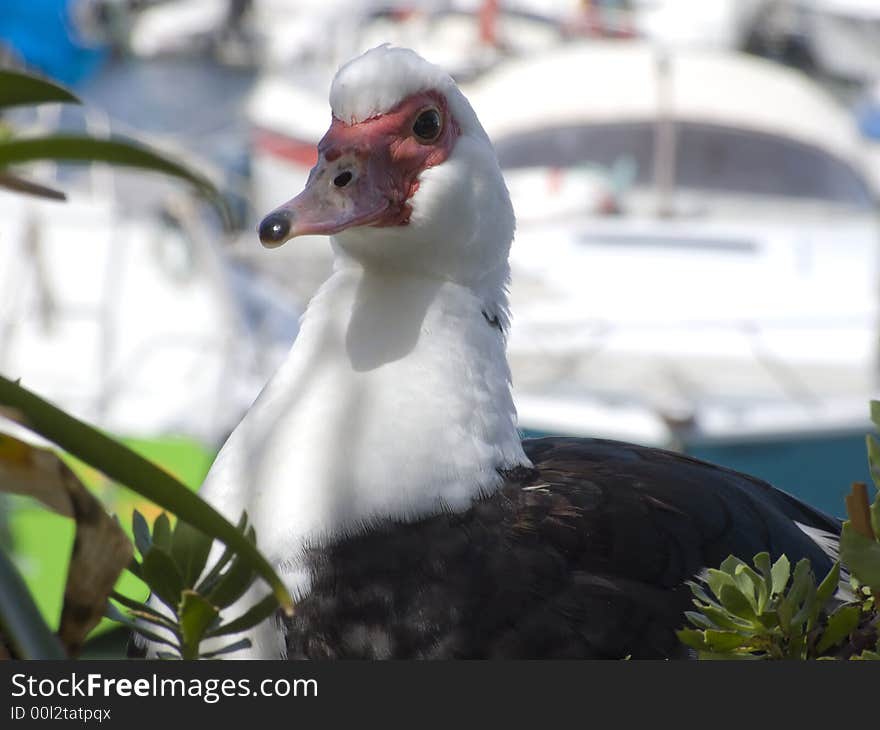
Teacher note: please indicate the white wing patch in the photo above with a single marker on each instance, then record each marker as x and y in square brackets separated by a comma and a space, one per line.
[827, 541]
[830, 545]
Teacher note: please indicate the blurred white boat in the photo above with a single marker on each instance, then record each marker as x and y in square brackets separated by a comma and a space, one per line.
[844, 36]
[738, 268]
[715, 24]
[134, 318]
[840, 38]
[727, 297]
[287, 32]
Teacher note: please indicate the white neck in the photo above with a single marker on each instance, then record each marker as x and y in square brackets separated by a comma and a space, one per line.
[394, 402]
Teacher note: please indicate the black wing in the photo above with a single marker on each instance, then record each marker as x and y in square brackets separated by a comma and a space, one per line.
[583, 556]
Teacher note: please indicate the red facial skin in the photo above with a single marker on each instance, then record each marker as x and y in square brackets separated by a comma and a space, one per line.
[384, 158]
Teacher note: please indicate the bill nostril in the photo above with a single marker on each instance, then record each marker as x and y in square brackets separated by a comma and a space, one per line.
[342, 179]
[274, 228]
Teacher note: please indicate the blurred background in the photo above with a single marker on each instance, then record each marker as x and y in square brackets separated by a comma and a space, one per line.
[695, 181]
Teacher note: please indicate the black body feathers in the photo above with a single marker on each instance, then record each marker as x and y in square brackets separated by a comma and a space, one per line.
[584, 556]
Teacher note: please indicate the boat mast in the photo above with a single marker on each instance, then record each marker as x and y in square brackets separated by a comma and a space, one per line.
[665, 135]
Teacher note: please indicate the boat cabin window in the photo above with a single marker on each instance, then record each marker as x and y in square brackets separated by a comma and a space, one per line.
[708, 157]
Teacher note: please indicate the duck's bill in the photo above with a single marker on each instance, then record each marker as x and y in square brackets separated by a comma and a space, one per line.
[336, 197]
[300, 217]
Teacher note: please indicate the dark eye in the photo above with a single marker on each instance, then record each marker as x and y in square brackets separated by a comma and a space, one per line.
[427, 125]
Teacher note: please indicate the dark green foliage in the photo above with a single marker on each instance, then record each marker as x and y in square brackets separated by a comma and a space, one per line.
[142, 476]
[171, 563]
[21, 623]
[772, 614]
[18, 89]
[769, 613]
[116, 151]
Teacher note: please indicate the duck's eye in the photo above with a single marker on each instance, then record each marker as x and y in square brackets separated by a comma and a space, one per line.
[428, 125]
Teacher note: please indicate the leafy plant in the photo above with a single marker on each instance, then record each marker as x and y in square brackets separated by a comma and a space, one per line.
[18, 89]
[860, 536]
[101, 549]
[860, 550]
[769, 612]
[172, 563]
[24, 468]
[20, 620]
[774, 614]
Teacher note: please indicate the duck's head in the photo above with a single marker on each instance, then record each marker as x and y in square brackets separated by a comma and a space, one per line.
[406, 176]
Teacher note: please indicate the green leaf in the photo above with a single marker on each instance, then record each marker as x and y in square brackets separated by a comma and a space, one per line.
[796, 647]
[114, 614]
[233, 584]
[874, 458]
[801, 580]
[875, 413]
[785, 612]
[862, 556]
[735, 602]
[21, 185]
[699, 593]
[20, 618]
[779, 574]
[875, 516]
[237, 646]
[162, 533]
[196, 615]
[764, 588]
[714, 644]
[257, 613]
[141, 531]
[101, 549]
[717, 579]
[116, 151]
[723, 641]
[189, 549]
[744, 656]
[144, 611]
[730, 564]
[868, 655]
[762, 563]
[826, 591]
[699, 620]
[769, 619]
[841, 624]
[210, 580]
[152, 618]
[692, 638]
[795, 605]
[163, 577]
[725, 620]
[18, 89]
[134, 567]
[752, 587]
[126, 467]
[808, 606]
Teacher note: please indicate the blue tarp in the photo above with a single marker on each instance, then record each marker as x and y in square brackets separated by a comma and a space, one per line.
[44, 35]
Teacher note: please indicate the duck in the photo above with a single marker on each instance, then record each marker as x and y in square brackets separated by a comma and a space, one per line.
[382, 466]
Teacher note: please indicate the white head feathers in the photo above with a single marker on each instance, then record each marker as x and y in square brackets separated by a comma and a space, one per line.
[379, 79]
[462, 220]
